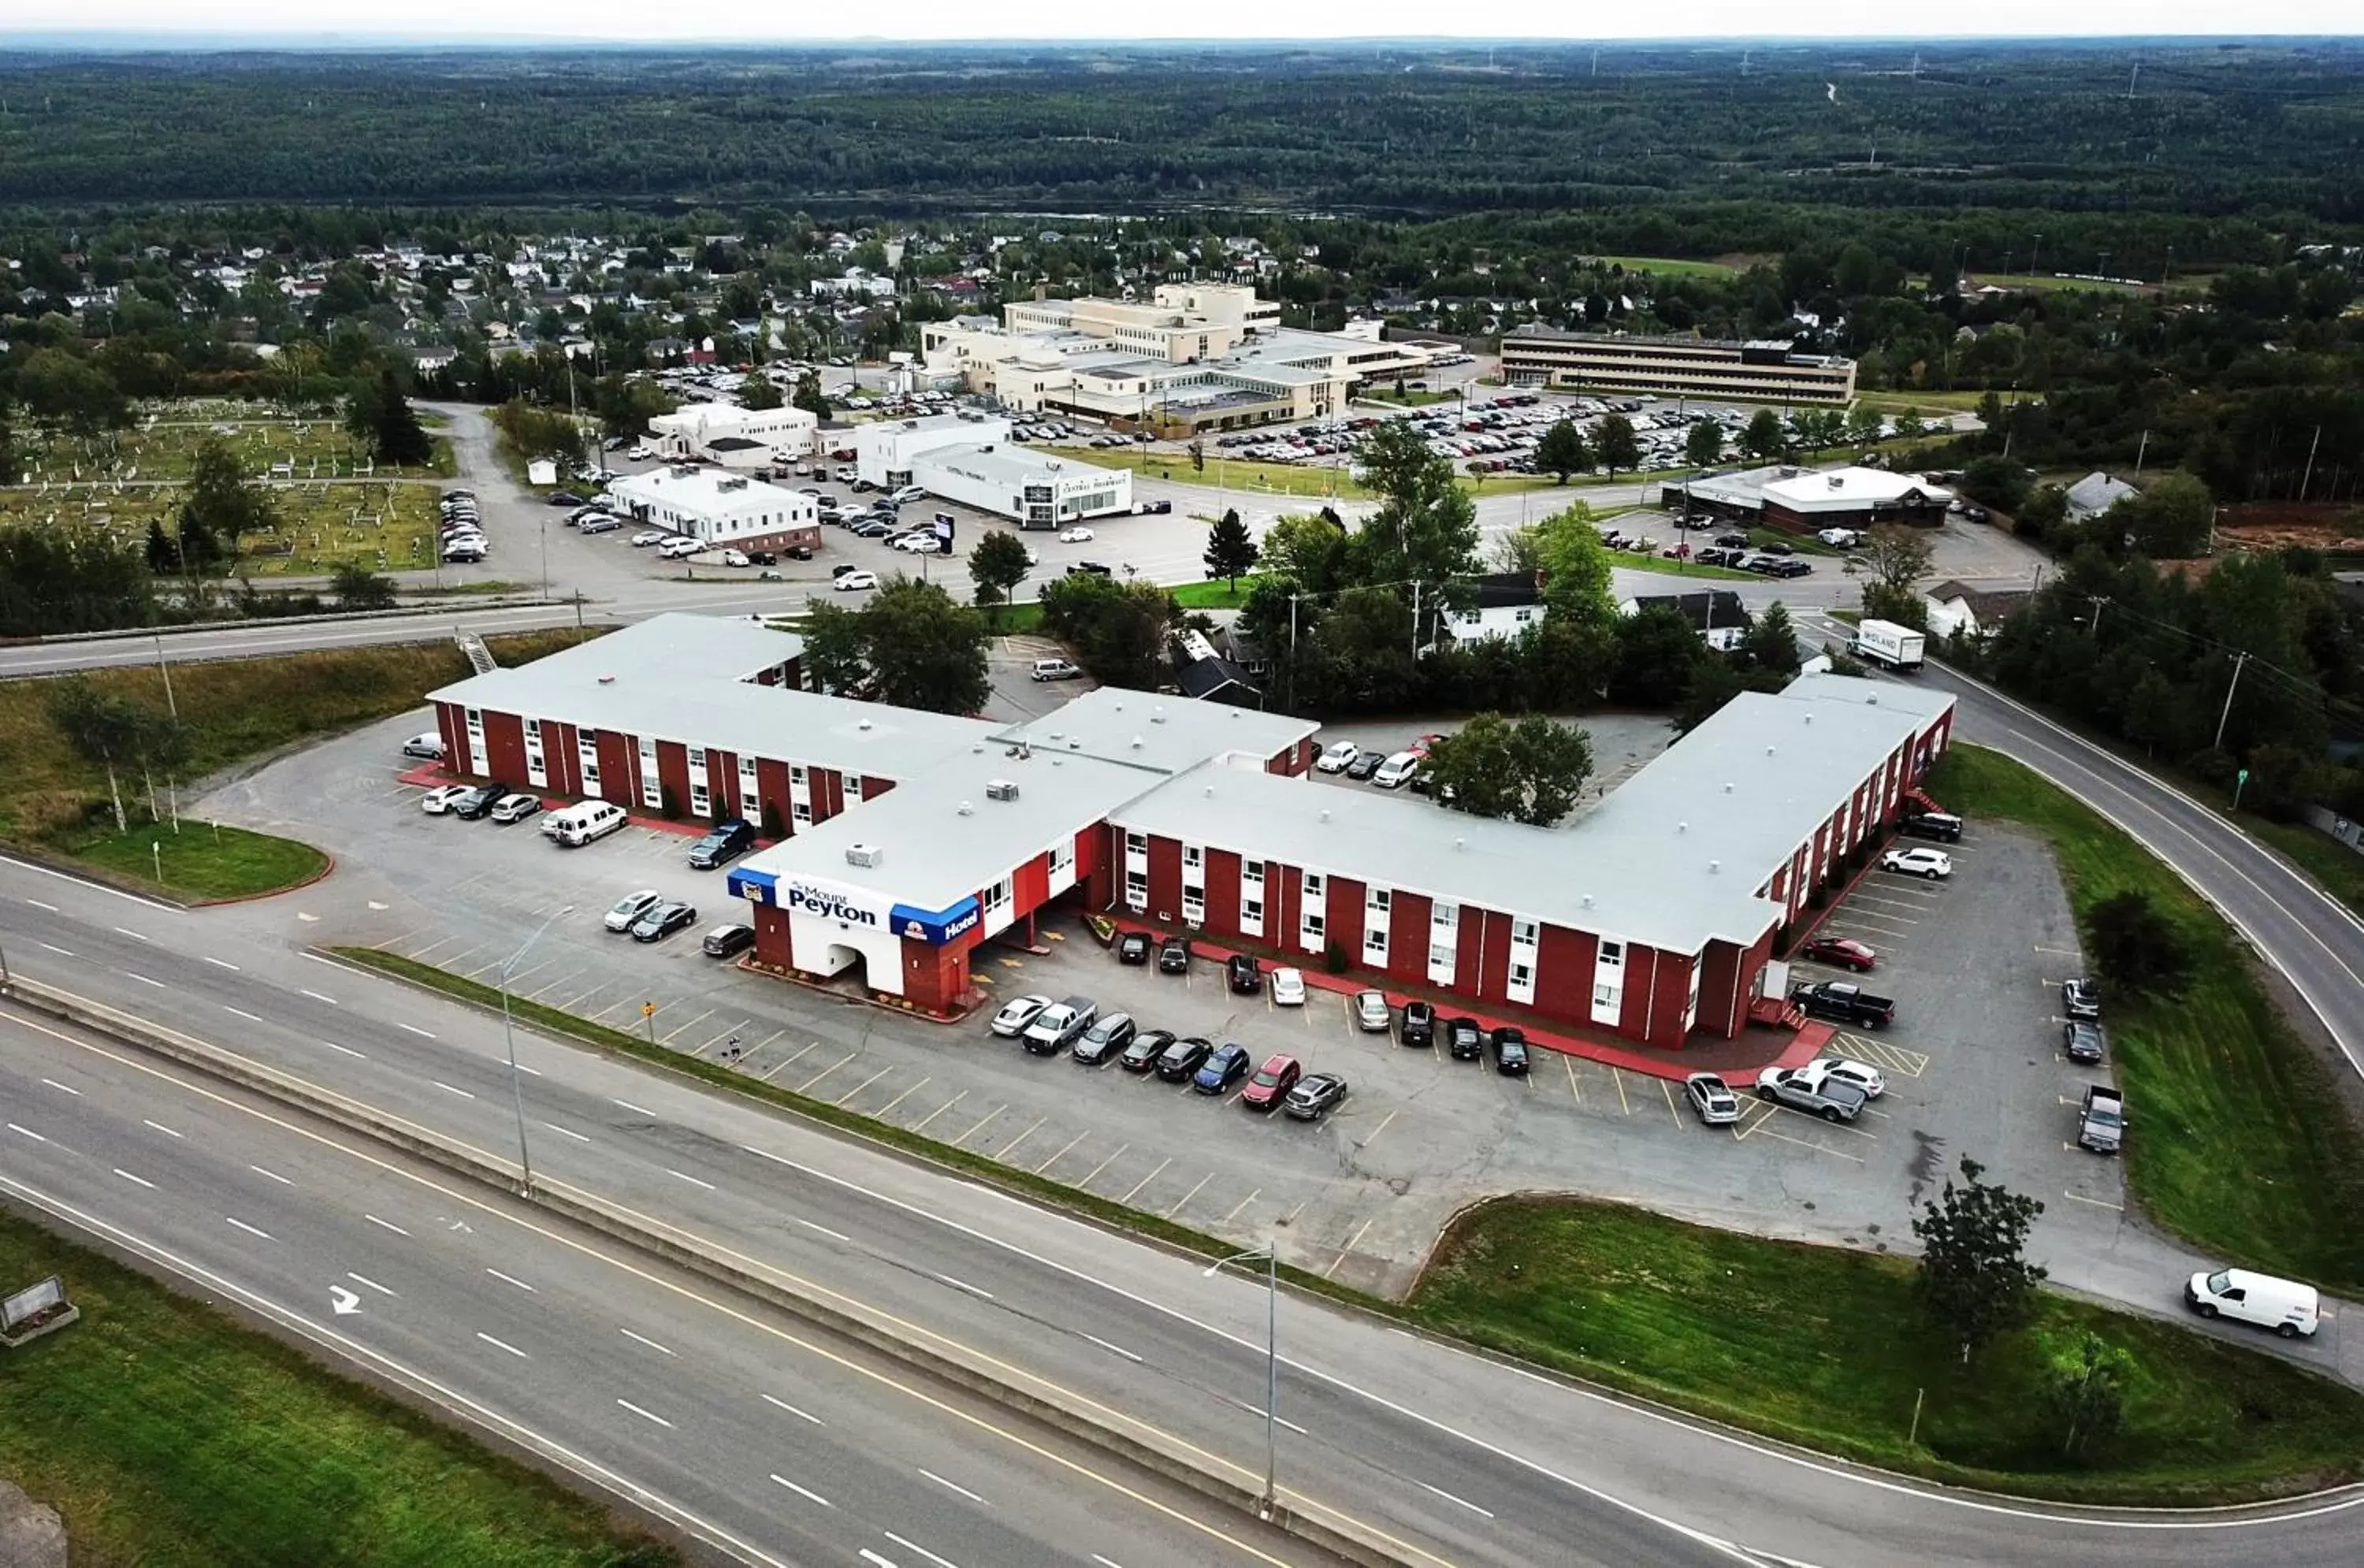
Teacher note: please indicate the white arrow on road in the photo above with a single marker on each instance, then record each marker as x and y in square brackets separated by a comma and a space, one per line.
[344, 1301]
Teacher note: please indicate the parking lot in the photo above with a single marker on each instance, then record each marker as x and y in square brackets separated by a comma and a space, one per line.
[1971, 1062]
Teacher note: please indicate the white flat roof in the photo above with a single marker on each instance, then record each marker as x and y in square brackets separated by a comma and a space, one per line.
[1850, 488]
[1161, 734]
[704, 490]
[1000, 463]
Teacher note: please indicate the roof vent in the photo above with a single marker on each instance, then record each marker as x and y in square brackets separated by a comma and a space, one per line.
[1136, 743]
[1157, 714]
[966, 809]
[1210, 795]
[1872, 700]
[863, 854]
[1727, 789]
[977, 749]
[1769, 750]
[607, 680]
[1000, 789]
[865, 723]
[1074, 742]
[1460, 843]
[1587, 901]
[1682, 827]
[1714, 866]
[1325, 810]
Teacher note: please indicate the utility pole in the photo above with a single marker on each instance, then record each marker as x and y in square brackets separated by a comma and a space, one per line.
[2093, 630]
[174, 708]
[2140, 447]
[1415, 618]
[2234, 686]
[2306, 477]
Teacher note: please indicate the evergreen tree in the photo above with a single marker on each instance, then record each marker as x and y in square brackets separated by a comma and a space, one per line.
[1230, 549]
[1975, 1277]
[1615, 445]
[1562, 451]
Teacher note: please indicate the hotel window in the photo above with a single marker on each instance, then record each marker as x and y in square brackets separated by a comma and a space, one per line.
[1136, 891]
[1136, 844]
[802, 812]
[996, 898]
[701, 803]
[1609, 982]
[797, 772]
[1063, 856]
[1193, 857]
[537, 766]
[1612, 955]
[751, 790]
[651, 785]
[851, 786]
[587, 752]
[1194, 906]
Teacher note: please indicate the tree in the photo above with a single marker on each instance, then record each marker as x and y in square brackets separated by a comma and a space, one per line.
[1310, 551]
[2139, 950]
[1975, 1277]
[1615, 444]
[756, 391]
[105, 729]
[1909, 426]
[1771, 643]
[220, 507]
[1658, 657]
[1562, 451]
[808, 396]
[1996, 480]
[1229, 550]
[1574, 567]
[1425, 530]
[10, 466]
[1118, 629]
[834, 656]
[1198, 455]
[2171, 519]
[1763, 438]
[1899, 557]
[358, 588]
[1531, 770]
[1863, 425]
[68, 579]
[997, 564]
[379, 414]
[70, 393]
[1818, 429]
[925, 651]
[2084, 1391]
[1703, 443]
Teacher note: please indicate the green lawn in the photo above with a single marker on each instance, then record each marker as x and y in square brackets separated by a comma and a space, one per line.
[203, 860]
[167, 1435]
[2237, 1140]
[1672, 266]
[1828, 1347]
[1216, 596]
[2339, 869]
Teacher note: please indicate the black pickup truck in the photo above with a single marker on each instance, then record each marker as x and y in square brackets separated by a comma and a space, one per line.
[1844, 1002]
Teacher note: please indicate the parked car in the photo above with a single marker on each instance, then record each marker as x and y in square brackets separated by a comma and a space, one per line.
[438, 801]
[598, 524]
[681, 549]
[2102, 1120]
[2082, 1040]
[1935, 864]
[724, 841]
[630, 907]
[1241, 973]
[1077, 535]
[1510, 1052]
[1016, 1013]
[1174, 955]
[1091, 568]
[1464, 1040]
[1055, 670]
[664, 920]
[1371, 1014]
[1133, 948]
[1841, 953]
[1288, 988]
[728, 941]
[1942, 826]
[1182, 1058]
[1224, 1066]
[1142, 1054]
[515, 806]
[566, 498]
[1316, 1095]
[856, 581]
[1711, 1099]
[430, 746]
[2081, 999]
[1270, 1084]
[1107, 1038]
[648, 537]
[1336, 756]
[1417, 1026]
[1059, 1026]
[1832, 1099]
[1844, 1002]
[1845, 1070]
[1365, 764]
[2284, 1306]
[1396, 771]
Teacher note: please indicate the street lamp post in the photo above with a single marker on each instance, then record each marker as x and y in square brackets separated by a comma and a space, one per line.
[509, 1041]
[1271, 1256]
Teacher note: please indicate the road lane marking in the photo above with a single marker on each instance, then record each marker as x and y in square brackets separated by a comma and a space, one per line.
[915, 1546]
[949, 1486]
[414, 1028]
[645, 1340]
[503, 1345]
[39, 905]
[222, 964]
[645, 1415]
[567, 1131]
[1257, 1410]
[317, 998]
[348, 1049]
[137, 1181]
[693, 1180]
[809, 1495]
[512, 1279]
[800, 1415]
[387, 1224]
[53, 1084]
[128, 931]
[832, 1235]
[463, 1093]
[62, 952]
[161, 1128]
[361, 1279]
[272, 1174]
[145, 980]
[528, 1072]
[28, 1133]
[637, 1110]
[249, 1230]
[963, 1285]
[2097, 1203]
[1112, 1349]
[1464, 1502]
[240, 1012]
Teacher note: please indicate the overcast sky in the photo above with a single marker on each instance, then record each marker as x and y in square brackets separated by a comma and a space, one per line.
[460, 20]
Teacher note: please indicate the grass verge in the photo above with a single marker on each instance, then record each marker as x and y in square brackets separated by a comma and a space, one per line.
[1219, 595]
[2333, 864]
[1829, 1347]
[2187, 1452]
[203, 860]
[2237, 1140]
[167, 1434]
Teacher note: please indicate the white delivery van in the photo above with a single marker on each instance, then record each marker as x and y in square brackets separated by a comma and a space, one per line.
[580, 825]
[2287, 1308]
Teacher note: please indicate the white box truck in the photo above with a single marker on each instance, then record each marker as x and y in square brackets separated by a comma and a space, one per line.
[1888, 645]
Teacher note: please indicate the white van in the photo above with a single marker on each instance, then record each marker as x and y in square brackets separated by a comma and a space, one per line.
[2289, 1309]
[579, 825]
[1397, 770]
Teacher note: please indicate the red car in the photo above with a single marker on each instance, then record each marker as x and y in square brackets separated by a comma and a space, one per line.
[1842, 952]
[1270, 1084]
[1420, 747]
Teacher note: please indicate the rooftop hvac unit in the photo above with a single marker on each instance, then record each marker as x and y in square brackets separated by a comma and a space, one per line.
[1000, 789]
[865, 855]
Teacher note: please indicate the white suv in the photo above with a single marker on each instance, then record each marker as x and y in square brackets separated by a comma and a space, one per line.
[1396, 771]
[1935, 864]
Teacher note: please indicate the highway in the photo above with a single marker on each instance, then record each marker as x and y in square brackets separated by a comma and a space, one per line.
[1456, 1458]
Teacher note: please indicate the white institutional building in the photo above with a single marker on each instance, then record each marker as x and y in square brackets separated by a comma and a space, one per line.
[734, 437]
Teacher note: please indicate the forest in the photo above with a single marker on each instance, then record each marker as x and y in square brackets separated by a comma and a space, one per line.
[2267, 131]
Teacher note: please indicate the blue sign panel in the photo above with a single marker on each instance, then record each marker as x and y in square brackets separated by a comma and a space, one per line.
[754, 886]
[936, 927]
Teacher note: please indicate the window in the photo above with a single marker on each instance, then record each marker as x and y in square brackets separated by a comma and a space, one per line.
[1063, 856]
[475, 727]
[797, 772]
[1194, 908]
[1313, 924]
[802, 812]
[852, 787]
[1374, 944]
[996, 898]
[1315, 885]
[1136, 844]
[1612, 955]
[1252, 914]
[1252, 874]
[1193, 856]
[1440, 956]
[586, 752]
[701, 803]
[697, 758]
[1522, 974]
[1445, 916]
[1377, 899]
[1603, 996]
[1522, 932]
[1136, 890]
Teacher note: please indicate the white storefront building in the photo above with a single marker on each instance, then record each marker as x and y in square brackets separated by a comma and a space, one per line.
[1030, 489]
[719, 508]
[738, 437]
[885, 451]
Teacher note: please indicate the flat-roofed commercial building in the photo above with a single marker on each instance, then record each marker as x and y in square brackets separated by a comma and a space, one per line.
[720, 509]
[886, 452]
[1805, 500]
[1767, 371]
[1031, 490]
[744, 435]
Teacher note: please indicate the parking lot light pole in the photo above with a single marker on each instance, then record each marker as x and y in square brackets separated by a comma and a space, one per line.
[1271, 1257]
[508, 1039]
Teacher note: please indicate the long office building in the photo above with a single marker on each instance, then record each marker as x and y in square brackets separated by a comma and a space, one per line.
[1770, 371]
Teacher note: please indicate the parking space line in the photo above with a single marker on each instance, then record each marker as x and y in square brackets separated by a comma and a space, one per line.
[1103, 1165]
[1062, 1155]
[1760, 1129]
[881, 1112]
[420, 956]
[1004, 1152]
[537, 969]
[940, 1110]
[719, 1034]
[788, 1061]
[579, 998]
[1668, 1084]
[453, 961]
[1239, 1206]
[607, 1009]
[1146, 1181]
[1291, 1218]
[546, 990]
[978, 1126]
[1622, 1104]
[1367, 1142]
[806, 1087]
[1348, 1248]
[2097, 1203]
[1194, 1192]
[666, 1038]
[863, 1084]
[1570, 1062]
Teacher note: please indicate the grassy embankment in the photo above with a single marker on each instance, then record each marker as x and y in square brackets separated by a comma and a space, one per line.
[1312, 482]
[2238, 1140]
[167, 1435]
[55, 801]
[1829, 1347]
